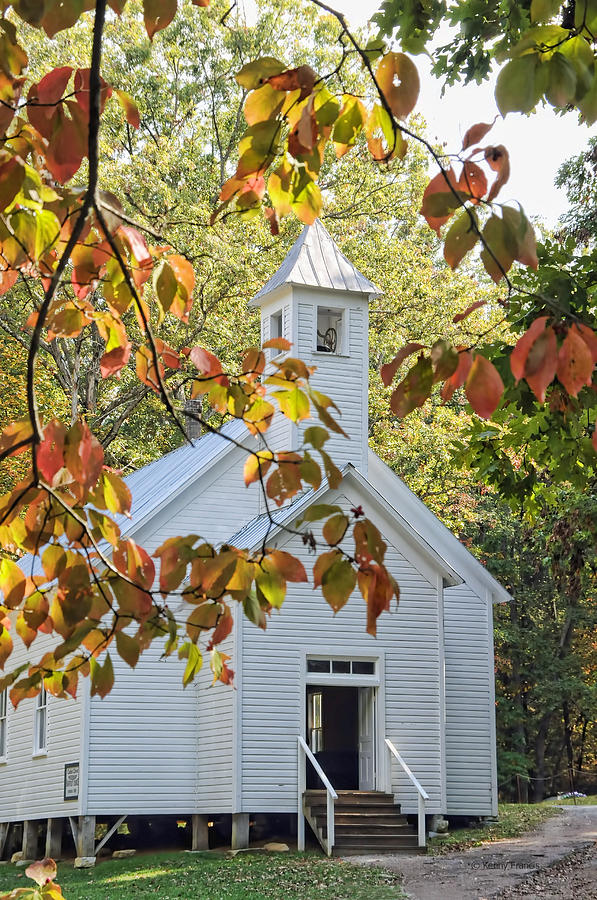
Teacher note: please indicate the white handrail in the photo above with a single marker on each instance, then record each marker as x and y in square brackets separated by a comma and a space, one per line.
[304, 753]
[422, 793]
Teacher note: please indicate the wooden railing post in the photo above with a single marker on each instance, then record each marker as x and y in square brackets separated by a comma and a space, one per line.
[331, 796]
[302, 784]
[421, 822]
[421, 792]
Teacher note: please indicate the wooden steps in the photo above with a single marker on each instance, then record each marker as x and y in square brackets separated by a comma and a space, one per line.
[364, 822]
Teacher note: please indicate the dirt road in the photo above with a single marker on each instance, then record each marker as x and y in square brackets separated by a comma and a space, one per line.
[558, 861]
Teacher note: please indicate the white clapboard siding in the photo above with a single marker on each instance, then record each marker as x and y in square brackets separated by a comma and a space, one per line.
[154, 746]
[343, 378]
[272, 686]
[143, 741]
[33, 787]
[215, 711]
[470, 772]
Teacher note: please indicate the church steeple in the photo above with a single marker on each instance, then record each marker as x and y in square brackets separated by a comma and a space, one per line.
[318, 300]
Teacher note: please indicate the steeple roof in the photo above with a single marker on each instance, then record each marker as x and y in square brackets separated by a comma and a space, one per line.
[316, 261]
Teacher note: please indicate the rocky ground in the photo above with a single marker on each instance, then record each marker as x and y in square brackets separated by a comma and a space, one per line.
[558, 861]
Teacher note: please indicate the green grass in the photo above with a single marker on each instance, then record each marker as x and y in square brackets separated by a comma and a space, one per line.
[214, 876]
[589, 800]
[513, 820]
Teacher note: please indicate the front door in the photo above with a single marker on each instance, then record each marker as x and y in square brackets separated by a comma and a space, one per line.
[366, 738]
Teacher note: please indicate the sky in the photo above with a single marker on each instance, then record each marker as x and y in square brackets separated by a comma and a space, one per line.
[538, 144]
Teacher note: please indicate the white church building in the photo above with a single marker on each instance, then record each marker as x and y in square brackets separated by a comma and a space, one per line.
[357, 738]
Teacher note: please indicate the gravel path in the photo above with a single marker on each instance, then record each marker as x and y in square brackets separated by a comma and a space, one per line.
[558, 861]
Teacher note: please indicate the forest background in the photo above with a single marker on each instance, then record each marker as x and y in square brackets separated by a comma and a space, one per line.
[539, 542]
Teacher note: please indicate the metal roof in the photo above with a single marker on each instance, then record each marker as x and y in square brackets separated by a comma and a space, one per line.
[251, 535]
[315, 260]
[161, 481]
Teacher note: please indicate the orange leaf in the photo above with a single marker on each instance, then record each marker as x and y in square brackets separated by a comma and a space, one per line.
[223, 627]
[157, 15]
[131, 111]
[205, 362]
[575, 363]
[50, 453]
[459, 317]
[475, 134]
[518, 357]
[590, 339]
[401, 96]
[484, 387]
[112, 362]
[278, 343]
[388, 370]
[301, 79]
[287, 565]
[540, 367]
[498, 159]
[83, 454]
[137, 245]
[439, 184]
[473, 180]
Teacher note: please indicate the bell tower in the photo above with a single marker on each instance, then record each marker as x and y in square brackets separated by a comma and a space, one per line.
[319, 301]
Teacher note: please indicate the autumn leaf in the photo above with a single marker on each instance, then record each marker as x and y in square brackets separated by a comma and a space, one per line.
[388, 370]
[498, 159]
[475, 134]
[157, 15]
[575, 363]
[336, 577]
[398, 79]
[130, 108]
[461, 237]
[414, 389]
[484, 387]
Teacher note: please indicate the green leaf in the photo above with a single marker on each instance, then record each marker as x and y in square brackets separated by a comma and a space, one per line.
[318, 511]
[336, 577]
[272, 586]
[128, 648]
[258, 71]
[316, 436]
[350, 122]
[544, 10]
[579, 54]
[502, 255]
[192, 654]
[307, 203]
[587, 104]
[335, 529]
[102, 677]
[460, 239]
[517, 88]
[561, 87]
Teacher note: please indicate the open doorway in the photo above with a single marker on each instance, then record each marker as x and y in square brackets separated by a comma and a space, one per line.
[341, 735]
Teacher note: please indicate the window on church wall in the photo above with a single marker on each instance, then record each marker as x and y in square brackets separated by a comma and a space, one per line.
[330, 330]
[276, 330]
[40, 725]
[3, 711]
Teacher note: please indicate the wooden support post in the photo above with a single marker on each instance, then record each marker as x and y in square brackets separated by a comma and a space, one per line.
[30, 836]
[200, 840]
[240, 831]
[4, 826]
[86, 836]
[54, 838]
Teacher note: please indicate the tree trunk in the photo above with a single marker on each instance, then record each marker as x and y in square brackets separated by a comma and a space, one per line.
[539, 783]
